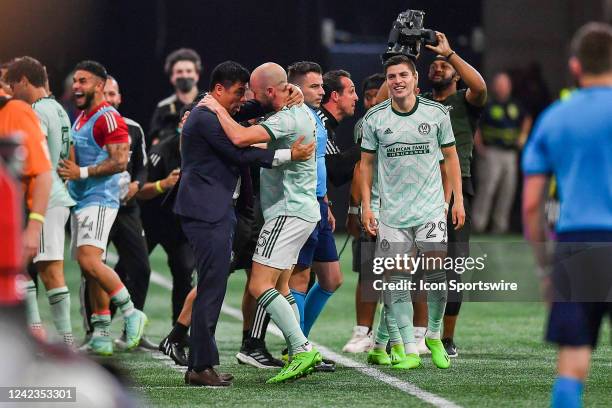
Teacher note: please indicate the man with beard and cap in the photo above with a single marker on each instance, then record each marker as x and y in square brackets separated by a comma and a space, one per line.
[465, 106]
[101, 151]
[127, 234]
[183, 66]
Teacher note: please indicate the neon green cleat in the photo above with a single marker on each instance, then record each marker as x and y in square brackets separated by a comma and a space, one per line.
[100, 345]
[397, 353]
[285, 356]
[438, 353]
[409, 362]
[134, 328]
[301, 365]
[378, 357]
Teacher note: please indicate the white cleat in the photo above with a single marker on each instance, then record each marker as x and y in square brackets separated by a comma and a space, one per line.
[360, 342]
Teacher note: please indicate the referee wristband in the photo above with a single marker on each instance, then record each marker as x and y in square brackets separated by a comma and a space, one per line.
[353, 210]
[37, 217]
[84, 172]
[158, 187]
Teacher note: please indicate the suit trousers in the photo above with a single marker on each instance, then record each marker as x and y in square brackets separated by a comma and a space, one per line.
[212, 248]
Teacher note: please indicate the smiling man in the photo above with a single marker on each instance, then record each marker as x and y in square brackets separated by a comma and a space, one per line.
[407, 133]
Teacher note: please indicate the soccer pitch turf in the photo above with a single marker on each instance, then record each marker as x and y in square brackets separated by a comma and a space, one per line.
[502, 361]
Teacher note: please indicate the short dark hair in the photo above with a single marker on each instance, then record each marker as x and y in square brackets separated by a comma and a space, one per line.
[332, 81]
[374, 81]
[27, 67]
[109, 77]
[93, 67]
[592, 45]
[297, 70]
[400, 59]
[227, 74]
[182, 54]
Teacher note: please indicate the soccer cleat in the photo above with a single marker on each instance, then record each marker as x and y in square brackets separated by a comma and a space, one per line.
[175, 351]
[438, 353]
[326, 366]
[397, 353]
[285, 355]
[258, 358]
[134, 328]
[378, 357]
[99, 345]
[301, 365]
[450, 347]
[144, 344]
[409, 362]
[360, 342]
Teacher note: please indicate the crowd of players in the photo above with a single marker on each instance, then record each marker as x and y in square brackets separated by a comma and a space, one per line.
[411, 187]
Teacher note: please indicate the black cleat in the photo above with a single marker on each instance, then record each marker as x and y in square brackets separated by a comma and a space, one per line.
[176, 351]
[258, 357]
[327, 366]
[450, 347]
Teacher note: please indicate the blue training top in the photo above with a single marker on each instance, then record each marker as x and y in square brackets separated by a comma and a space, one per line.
[93, 191]
[320, 154]
[572, 140]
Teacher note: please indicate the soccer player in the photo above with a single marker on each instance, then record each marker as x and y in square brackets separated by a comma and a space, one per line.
[290, 210]
[571, 141]
[27, 78]
[465, 107]
[101, 150]
[183, 68]
[361, 340]
[407, 133]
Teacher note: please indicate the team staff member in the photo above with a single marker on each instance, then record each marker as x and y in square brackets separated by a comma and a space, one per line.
[18, 118]
[101, 153]
[27, 78]
[503, 131]
[127, 234]
[465, 107]
[571, 142]
[209, 185]
[183, 67]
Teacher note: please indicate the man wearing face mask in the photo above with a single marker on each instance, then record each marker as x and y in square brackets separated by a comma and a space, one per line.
[183, 67]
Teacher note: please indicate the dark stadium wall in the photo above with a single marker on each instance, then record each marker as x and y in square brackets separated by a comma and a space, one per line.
[522, 31]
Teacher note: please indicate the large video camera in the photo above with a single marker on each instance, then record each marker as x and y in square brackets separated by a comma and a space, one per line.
[407, 35]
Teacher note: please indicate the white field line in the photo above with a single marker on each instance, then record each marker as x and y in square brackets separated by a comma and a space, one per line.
[401, 385]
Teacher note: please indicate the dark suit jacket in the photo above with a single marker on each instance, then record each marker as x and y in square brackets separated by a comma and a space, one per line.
[210, 167]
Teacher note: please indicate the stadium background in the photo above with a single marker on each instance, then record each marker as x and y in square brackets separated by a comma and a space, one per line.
[132, 39]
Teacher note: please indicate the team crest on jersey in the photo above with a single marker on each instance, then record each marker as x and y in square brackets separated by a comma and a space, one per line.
[424, 128]
[384, 245]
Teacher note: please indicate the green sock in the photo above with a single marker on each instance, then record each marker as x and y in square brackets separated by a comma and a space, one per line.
[399, 306]
[294, 306]
[122, 300]
[382, 334]
[436, 303]
[31, 303]
[101, 324]
[283, 316]
[394, 334]
[59, 301]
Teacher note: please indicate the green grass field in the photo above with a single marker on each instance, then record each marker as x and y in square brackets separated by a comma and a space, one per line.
[503, 361]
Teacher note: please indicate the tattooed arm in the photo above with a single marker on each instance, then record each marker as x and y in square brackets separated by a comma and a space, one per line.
[115, 163]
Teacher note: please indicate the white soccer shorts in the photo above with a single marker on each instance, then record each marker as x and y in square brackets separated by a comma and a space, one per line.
[53, 235]
[91, 226]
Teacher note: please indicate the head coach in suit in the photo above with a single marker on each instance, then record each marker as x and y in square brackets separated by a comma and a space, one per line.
[209, 187]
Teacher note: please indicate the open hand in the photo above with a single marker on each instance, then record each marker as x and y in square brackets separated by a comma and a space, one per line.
[68, 170]
[302, 152]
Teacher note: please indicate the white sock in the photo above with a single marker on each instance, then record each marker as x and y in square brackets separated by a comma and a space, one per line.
[433, 335]
[411, 348]
[419, 332]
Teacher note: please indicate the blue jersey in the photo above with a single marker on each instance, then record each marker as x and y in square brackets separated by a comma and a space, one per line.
[572, 140]
[320, 152]
[93, 191]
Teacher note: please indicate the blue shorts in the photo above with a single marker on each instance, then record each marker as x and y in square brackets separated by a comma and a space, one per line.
[581, 284]
[321, 245]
